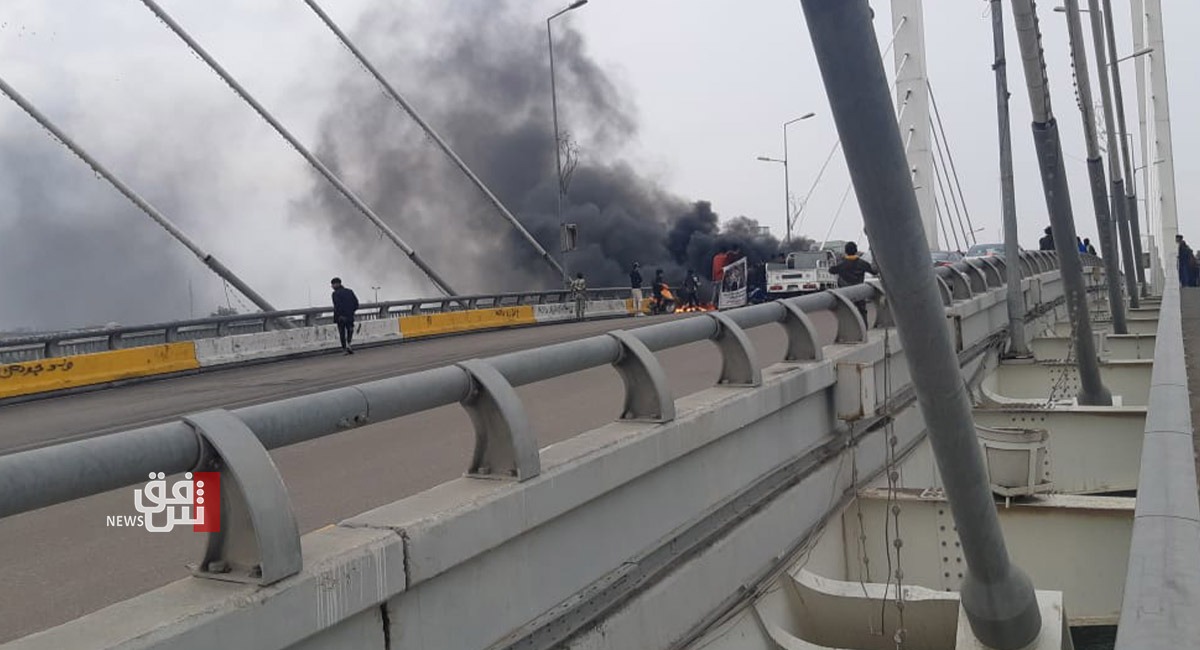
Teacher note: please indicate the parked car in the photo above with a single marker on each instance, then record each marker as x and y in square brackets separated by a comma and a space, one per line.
[945, 258]
[985, 250]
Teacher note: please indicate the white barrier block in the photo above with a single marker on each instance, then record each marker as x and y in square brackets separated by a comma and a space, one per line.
[278, 343]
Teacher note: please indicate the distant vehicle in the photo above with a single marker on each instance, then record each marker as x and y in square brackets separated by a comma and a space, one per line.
[945, 258]
[985, 250]
[835, 245]
[803, 272]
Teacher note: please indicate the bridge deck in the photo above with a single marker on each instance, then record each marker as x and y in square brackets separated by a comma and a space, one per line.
[328, 479]
[1190, 304]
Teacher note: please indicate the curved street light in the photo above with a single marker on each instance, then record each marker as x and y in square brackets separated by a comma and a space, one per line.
[787, 193]
[557, 139]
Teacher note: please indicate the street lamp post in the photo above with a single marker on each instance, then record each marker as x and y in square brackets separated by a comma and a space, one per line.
[787, 191]
[557, 139]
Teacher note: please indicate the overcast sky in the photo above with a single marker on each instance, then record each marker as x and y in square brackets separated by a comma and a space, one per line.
[710, 84]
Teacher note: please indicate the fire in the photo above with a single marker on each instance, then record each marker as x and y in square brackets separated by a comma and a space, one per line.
[683, 309]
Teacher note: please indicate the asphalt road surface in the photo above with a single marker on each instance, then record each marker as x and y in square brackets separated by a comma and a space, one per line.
[62, 562]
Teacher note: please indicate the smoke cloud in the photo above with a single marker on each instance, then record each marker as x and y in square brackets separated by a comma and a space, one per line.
[483, 81]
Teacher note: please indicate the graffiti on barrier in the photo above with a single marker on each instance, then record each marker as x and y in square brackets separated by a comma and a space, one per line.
[20, 370]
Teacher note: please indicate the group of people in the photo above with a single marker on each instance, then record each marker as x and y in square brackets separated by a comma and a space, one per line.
[661, 295]
[851, 270]
[1084, 245]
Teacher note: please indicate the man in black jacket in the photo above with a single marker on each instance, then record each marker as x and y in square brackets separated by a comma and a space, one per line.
[1047, 243]
[635, 284]
[852, 269]
[345, 303]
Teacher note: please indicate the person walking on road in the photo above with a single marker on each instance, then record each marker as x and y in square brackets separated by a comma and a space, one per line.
[345, 303]
[635, 283]
[579, 292]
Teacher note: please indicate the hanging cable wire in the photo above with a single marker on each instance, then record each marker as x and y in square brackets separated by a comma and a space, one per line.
[937, 174]
[951, 202]
[950, 155]
[804, 204]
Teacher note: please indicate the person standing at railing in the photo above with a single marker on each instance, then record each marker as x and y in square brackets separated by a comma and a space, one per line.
[1187, 263]
[852, 270]
[579, 292]
[345, 303]
[635, 284]
[1047, 243]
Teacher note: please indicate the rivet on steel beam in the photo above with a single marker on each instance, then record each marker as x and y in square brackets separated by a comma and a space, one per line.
[258, 541]
[504, 443]
[647, 393]
[803, 341]
[739, 363]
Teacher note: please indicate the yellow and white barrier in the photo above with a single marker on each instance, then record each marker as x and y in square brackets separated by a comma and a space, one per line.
[45, 375]
[48, 375]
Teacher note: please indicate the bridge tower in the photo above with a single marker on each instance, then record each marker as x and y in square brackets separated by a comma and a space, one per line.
[912, 106]
[1154, 114]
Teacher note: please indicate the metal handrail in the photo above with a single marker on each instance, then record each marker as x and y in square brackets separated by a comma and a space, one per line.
[1162, 581]
[63, 472]
[46, 345]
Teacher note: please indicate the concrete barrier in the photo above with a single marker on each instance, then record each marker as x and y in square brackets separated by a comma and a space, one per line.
[564, 311]
[45, 375]
[282, 343]
[76, 371]
[465, 321]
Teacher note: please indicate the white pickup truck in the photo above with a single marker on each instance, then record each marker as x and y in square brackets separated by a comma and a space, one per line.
[803, 272]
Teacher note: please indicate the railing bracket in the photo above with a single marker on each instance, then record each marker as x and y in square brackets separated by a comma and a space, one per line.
[258, 541]
[739, 363]
[505, 446]
[647, 394]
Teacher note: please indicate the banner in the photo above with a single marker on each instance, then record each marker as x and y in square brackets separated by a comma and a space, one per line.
[733, 286]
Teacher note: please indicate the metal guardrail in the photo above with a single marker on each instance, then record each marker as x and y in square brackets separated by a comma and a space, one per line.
[57, 344]
[235, 442]
[1161, 603]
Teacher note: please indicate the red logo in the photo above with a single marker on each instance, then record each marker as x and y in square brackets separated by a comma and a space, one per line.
[206, 501]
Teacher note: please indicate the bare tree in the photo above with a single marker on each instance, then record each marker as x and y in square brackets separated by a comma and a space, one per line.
[570, 160]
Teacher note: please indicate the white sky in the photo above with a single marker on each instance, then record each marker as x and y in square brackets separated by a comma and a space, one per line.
[712, 83]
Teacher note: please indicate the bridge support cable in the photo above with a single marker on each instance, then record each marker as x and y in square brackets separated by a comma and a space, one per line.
[998, 597]
[944, 217]
[1095, 166]
[208, 259]
[1120, 202]
[942, 222]
[437, 139]
[1018, 345]
[341, 187]
[1058, 203]
[942, 174]
[937, 116]
[1131, 211]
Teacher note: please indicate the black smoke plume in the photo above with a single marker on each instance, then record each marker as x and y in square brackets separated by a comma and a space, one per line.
[483, 81]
